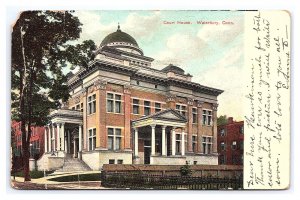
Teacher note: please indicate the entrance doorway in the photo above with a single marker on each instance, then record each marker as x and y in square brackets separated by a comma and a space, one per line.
[147, 151]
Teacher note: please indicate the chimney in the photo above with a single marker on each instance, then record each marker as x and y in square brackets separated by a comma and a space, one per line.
[230, 120]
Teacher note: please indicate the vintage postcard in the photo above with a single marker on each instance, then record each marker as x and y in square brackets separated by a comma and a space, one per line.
[163, 100]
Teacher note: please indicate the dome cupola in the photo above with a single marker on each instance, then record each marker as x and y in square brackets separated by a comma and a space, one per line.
[122, 41]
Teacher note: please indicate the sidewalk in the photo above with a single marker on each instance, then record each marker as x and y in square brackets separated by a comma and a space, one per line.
[44, 182]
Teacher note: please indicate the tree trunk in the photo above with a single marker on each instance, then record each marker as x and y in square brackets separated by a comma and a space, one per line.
[26, 169]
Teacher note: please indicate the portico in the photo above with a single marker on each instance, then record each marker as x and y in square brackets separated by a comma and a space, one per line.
[159, 132]
[63, 135]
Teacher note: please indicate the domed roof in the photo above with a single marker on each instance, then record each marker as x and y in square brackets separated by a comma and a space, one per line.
[173, 68]
[118, 36]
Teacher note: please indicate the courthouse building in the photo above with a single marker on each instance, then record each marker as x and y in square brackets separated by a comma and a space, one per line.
[124, 111]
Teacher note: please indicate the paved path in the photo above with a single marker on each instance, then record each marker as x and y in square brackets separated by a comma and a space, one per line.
[44, 182]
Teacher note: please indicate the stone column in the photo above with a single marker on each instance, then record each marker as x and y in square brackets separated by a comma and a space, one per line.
[53, 137]
[182, 144]
[74, 147]
[199, 127]
[69, 142]
[66, 144]
[101, 130]
[136, 142]
[45, 141]
[190, 125]
[163, 140]
[152, 140]
[80, 138]
[57, 137]
[173, 141]
[49, 139]
[127, 111]
[62, 136]
[215, 129]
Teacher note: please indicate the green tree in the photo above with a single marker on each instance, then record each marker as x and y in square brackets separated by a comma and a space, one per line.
[41, 48]
[222, 120]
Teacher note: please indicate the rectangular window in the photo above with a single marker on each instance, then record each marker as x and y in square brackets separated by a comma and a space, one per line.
[181, 109]
[222, 132]
[194, 111]
[147, 108]
[110, 102]
[77, 107]
[206, 144]
[120, 162]
[113, 103]
[204, 112]
[233, 146]
[223, 146]
[111, 161]
[194, 144]
[135, 106]
[222, 159]
[207, 117]
[92, 139]
[157, 107]
[178, 142]
[114, 138]
[92, 104]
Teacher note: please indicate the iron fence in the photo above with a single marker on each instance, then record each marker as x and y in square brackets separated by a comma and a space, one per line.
[158, 182]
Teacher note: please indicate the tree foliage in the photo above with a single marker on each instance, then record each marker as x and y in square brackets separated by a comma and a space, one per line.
[222, 120]
[41, 48]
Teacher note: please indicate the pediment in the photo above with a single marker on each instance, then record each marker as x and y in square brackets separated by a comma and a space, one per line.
[168, 115]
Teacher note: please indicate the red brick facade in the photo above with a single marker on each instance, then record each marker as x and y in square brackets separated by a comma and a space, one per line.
[231, 142]
[103, 119]
[36, 140]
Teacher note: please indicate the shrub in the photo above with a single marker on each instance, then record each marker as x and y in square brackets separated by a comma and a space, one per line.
[185, 170]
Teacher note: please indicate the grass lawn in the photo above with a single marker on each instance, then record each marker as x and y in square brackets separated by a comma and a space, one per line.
[80, 177]
[33, 174]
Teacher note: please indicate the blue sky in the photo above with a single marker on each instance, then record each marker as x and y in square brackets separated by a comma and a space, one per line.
[212, 53]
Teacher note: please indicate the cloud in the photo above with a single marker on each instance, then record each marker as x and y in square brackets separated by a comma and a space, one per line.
[227, 74]
[179, 49]
[138, 26]
[92, 27]
[222, 34]
[142, 26]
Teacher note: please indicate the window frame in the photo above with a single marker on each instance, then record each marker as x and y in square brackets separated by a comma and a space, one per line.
[157, 109]
[207, 143]
[148, 107]
[114, 137]
[181, 110]
[194, 115]
[114, 102]
[207, 117]
[136, 105]
[222, 146]
[92, 135]
[194, 143]
[91, 100]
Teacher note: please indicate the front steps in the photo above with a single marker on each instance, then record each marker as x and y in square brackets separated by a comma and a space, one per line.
[73, 165]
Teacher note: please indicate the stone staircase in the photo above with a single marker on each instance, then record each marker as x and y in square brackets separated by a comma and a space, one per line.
[73, 165]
